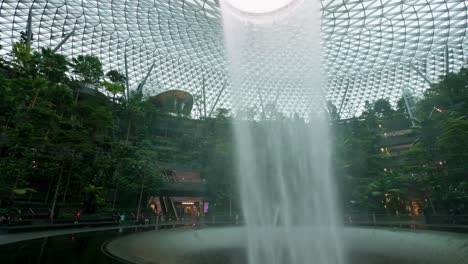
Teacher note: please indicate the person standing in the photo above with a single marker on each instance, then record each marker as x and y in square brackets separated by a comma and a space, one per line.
[76, 215]
[197, 219]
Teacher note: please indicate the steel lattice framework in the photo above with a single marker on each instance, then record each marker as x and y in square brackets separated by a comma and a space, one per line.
[371, 48]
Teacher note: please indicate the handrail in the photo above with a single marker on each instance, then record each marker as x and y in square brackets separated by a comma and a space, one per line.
[439, 222]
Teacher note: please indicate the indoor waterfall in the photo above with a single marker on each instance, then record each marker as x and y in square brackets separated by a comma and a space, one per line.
[286, 188]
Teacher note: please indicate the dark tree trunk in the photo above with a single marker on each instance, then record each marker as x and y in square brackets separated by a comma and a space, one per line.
[66, 186]
[57, 188]
[128, 129]
[141, 196]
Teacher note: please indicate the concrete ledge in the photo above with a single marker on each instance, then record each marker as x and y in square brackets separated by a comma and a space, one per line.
[48, 227]
[18, 237]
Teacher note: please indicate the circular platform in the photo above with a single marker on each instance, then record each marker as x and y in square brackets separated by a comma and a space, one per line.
[226, 245]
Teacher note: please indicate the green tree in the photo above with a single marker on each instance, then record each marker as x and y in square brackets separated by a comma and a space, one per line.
[333, 112]
[88, 69]
[116, 77]
[52, 66]
[452, 146]
[217, 160]
[113, 88]
[139, 171]
[383, 108]
[24, 37]
[23, 61]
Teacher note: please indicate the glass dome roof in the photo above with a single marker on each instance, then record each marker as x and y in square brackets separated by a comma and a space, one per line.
[371, 48]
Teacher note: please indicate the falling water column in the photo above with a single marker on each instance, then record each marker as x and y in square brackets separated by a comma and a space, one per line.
[288, 198]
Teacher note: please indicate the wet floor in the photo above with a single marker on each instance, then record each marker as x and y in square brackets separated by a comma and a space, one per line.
[80, 248]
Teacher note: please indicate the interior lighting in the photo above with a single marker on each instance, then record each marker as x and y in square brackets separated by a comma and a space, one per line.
[260, 6]
[188, 203]
[438, 109]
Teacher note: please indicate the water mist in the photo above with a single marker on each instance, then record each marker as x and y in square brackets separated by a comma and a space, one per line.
[287, 194]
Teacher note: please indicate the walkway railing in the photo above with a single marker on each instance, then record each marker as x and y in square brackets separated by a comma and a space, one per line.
[457, 223]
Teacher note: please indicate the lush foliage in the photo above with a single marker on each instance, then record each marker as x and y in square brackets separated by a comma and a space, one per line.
[69, 132]
[432, 172]
[62, 139]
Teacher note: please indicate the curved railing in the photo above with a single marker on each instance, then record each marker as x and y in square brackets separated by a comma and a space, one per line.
[444, 222]
[453, 222]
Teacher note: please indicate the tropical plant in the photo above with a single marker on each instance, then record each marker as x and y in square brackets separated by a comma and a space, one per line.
[88, 69]
[51, 66]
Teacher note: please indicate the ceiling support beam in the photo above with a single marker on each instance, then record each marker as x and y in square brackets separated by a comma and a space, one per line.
[447, 61]
[126, 73]
[204, 96]
[140, 87]
[344, 98]
[428, 81]
[63, 41]
[29, 27]
[410, 105]
[217, 99]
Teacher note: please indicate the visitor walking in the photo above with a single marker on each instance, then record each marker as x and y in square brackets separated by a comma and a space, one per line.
[350, 219]
[452, 216]
[76, 215]
[197, 218]
[422, 216]
[5, 219]
[116, 216]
